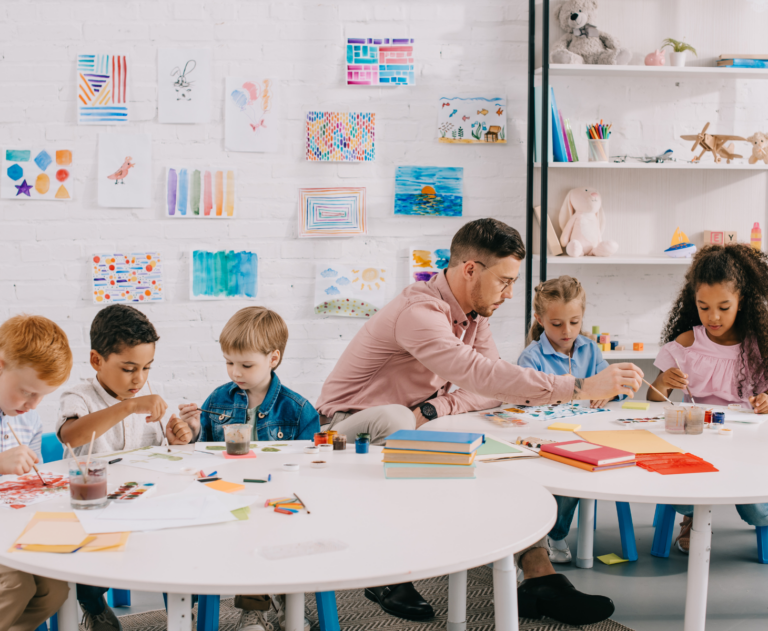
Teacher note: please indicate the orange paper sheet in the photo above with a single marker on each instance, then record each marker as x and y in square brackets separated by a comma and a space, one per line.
[670, 464]
[637, 441]
[225, 487]
[92, 543]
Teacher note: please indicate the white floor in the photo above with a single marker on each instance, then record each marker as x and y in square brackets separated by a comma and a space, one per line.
[650, 595]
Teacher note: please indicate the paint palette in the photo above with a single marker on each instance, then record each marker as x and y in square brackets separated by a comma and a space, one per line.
[131, 491]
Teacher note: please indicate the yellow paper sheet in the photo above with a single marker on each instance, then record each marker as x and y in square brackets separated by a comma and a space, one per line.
[92, 543]
[53, 533]
[225, 487]
[565, 427]
[637, 441]
[612, 559]
[112, 542]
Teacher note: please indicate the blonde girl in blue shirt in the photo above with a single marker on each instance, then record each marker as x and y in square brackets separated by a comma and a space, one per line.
[557, 346]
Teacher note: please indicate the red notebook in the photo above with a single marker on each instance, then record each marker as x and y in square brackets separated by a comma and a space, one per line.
[590, 453]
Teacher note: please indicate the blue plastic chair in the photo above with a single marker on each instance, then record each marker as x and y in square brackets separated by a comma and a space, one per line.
[51, 448]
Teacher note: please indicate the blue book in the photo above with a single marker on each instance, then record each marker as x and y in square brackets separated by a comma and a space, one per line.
[559, 146]
[445, 442]
[744, 63]
[394, 471]
[537, 130]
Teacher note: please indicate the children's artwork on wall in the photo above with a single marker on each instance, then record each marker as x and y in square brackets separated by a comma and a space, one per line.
[37, 174]
[250, 118]
[200, 193]
[380, 61]
[223, 275]
[341, 137]
[427, 263]
[102, 89]
[124, 170]
[353, 291]
[184, 85]
[331, 212]
[436, 191]
[472, 119]
[126, 278]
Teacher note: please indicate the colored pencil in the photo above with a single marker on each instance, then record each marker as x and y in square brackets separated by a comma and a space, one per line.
[21, 445]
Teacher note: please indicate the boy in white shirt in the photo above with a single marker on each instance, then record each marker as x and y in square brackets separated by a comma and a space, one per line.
[124, 414]
[34, 360]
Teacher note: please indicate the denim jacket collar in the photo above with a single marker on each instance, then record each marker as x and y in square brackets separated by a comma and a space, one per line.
[269, 399]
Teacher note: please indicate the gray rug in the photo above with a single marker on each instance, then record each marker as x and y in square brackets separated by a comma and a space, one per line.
[356, 613]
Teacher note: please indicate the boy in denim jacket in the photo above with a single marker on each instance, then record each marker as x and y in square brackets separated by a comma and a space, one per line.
[253, 343]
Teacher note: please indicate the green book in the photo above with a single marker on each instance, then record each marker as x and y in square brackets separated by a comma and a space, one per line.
[495, 449]
[571, 141]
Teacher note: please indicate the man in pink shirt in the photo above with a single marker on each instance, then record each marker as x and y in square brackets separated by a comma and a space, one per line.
[398, 373]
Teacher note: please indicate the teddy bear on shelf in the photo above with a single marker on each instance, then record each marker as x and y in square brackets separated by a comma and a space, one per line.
[759, 147]
[582, 222]
[583, 43]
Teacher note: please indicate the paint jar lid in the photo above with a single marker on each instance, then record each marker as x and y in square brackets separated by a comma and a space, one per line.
[311, 450]
[725, 431]
[290, 466]
[319, 464]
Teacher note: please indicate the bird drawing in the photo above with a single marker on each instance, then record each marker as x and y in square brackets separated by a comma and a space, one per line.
[120, 175]
[483, 112]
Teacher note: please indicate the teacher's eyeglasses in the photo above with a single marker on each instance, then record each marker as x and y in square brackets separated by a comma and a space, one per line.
[505, 284]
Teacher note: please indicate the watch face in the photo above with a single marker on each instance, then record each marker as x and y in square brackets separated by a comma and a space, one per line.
[428, 411]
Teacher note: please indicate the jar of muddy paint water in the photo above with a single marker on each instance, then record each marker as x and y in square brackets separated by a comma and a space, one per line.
[694, 422]
[674, 419]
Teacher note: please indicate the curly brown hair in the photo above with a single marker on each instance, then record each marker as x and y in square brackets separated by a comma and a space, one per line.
[747, 270]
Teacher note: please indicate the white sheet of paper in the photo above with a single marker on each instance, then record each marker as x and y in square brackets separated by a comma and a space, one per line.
[124, 170]
[158, 459]
[184, 85]
[54, 533]
[579, 447]
[173, 506]
[37, 173]
[250, 115]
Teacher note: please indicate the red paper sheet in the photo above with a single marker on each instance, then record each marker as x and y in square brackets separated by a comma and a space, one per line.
[671, 464]
[250, 454]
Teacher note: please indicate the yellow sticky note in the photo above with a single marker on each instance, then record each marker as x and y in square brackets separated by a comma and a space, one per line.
[225, 487]
[612, 559]
[635, 405]
[565, 427]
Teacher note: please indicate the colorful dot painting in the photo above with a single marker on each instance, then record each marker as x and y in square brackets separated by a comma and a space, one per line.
[123, 278]
[36, 174]
[341, 137]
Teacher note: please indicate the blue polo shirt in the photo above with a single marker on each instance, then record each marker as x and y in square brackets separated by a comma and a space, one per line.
[587, 360]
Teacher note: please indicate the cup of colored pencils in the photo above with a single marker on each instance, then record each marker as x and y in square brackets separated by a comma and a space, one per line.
[597, 136]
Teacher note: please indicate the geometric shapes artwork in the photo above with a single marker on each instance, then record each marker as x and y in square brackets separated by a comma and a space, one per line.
[435, 191]
[184, 85]
[427, 263]
[102, 89]
[196, 193]
[223, 275]
[341, 136]
[36, 174]
[124, 278]
[353, 291]
[380, 61]
[250, 116]
[331, 212]
[472, 120]
[124, 170]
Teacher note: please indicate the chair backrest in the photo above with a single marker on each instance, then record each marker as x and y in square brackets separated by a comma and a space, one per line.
[51, 448]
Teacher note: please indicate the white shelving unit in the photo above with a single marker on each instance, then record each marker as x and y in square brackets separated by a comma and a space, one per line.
[621, 259]
[649, 352]
[590, 70]
[668, 166]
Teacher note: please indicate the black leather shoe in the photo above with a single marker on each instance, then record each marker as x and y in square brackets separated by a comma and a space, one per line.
[402, 601]
[555, 596]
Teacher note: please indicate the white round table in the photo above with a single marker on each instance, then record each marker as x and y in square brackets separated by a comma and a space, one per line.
[394, 531]
[742, 479]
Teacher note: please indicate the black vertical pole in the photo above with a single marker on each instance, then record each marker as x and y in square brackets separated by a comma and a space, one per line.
[546, 117]
[529, 164]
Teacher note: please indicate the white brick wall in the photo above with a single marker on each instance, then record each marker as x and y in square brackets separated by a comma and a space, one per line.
[467, 45]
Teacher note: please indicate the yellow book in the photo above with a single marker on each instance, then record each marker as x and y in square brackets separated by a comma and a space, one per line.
[565, 427]
[426, 457]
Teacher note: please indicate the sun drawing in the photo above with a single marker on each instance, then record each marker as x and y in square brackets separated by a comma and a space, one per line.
[369, 277]
[428, 190]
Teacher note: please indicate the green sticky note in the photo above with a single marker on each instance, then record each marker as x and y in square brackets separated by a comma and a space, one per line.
[216, 447]
[242, 513]
[494, 447]
[612, 559]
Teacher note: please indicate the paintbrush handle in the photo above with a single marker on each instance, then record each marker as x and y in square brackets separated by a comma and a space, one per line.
[650, 385]
[687, 389]
[21, 445]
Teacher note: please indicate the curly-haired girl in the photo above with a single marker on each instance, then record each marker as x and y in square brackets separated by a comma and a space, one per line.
[717, 332]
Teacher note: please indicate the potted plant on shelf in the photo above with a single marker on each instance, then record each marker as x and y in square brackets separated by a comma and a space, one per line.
[677, 56]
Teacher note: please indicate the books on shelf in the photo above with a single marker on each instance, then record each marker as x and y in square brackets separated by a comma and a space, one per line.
[743, 63]
[762, 57]
[595, 455]
[445, 442]
[413, 471]
[560, 143]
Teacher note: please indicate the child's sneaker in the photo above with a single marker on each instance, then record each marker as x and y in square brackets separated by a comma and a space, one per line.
[683, 540]
[253, 621]
[559, 552]
[278, 600]
[105, 621]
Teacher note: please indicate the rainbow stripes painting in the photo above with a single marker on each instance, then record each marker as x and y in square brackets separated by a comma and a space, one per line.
[223, 275]
[200, 193]
[341, 137]
[102, 89]
[331, 212]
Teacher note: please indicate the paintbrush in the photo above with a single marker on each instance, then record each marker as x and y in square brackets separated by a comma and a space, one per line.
[687, 389]
[20, 445]
[164, 442]
[90, 451]
[650, 385]
[74, 457]
[302, 503]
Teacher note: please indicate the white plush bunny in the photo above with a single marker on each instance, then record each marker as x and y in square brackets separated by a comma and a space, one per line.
[582, 221]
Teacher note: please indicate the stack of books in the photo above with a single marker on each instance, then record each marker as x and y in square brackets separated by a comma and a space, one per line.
[588, 456]
[743, 61]
[561, 147]
[430, 455]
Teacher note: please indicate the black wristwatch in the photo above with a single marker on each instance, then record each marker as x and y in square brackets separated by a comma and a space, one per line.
[428, 411]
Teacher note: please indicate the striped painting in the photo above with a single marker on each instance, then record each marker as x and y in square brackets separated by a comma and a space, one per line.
[102, 89]
[331, 212]
[200, 193]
